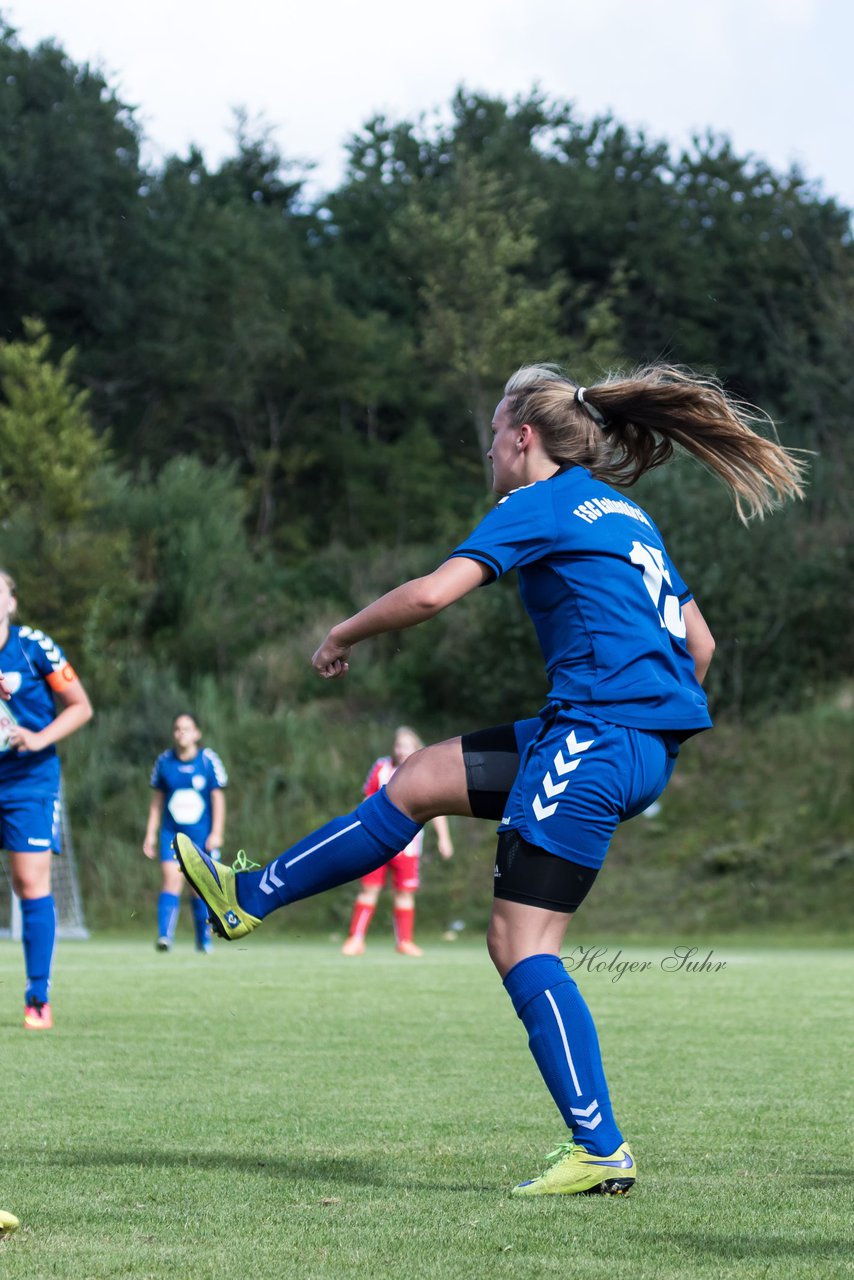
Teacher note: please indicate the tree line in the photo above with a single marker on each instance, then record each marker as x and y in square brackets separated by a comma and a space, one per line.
[231, 410]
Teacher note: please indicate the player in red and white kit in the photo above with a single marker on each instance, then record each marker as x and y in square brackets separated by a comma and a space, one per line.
[404, 865]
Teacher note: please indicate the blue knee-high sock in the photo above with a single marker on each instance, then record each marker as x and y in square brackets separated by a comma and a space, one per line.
[168, 905]
[337, 853]
[38, 930]
[200, 923]
[562, 1037]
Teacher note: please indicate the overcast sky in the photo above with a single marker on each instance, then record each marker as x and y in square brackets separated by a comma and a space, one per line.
[775, 75]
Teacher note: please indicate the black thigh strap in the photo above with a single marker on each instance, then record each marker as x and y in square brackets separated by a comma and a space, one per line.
[492, 762]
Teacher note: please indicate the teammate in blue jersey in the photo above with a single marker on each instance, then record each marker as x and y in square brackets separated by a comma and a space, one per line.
[188, 795]
[34, 677]
[626, 649]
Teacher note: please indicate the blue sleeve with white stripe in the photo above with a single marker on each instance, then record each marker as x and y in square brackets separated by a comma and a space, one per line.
[216, 770]
[157, 780]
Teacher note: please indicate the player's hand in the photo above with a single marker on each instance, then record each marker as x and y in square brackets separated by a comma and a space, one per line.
[149, 849]
[5, 693]
[331, 659]
[22, 740]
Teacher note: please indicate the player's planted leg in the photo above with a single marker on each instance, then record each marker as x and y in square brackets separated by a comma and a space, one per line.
[562, 1037]
[523, 942]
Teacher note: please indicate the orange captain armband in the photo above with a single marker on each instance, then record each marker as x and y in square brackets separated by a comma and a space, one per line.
[61, 678]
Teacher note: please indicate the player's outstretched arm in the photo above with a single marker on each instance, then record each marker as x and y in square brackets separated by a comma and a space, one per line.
[413, 602]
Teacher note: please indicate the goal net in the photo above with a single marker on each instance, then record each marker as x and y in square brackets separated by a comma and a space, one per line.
[65, 888]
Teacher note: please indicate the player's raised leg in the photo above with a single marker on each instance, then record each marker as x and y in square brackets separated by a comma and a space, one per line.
[429, 783]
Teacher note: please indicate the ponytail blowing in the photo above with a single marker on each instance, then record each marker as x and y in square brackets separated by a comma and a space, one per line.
[646, 413]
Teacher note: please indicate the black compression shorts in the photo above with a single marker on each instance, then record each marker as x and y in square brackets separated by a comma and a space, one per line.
[533, 876]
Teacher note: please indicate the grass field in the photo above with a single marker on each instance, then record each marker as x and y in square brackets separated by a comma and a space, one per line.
[274, 1110]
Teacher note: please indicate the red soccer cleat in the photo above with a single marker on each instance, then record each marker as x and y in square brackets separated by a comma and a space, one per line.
[37, 1016]
[407, 948]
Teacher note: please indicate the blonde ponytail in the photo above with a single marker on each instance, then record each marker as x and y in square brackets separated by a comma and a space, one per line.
[629, 424]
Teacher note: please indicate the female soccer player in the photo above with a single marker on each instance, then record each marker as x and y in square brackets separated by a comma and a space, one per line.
[626, 649]
[34, 675]
[404, 866]
[188, 794]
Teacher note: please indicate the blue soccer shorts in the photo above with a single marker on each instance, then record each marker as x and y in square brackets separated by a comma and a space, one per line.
[31, 824]
[579, 777]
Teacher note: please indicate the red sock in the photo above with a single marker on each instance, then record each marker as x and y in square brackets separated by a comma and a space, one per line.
[404, 924]
[362, 916]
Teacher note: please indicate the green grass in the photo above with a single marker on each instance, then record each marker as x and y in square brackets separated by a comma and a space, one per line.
[274, 1110]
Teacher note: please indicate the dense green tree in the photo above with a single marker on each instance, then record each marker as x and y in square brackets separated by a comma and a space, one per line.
[724, 259]
[202, 596]
[69, 212]
[52, 468]
[48, 446]
[241, 342]
[480, 316]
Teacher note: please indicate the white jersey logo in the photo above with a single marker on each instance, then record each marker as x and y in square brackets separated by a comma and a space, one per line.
[186, 807]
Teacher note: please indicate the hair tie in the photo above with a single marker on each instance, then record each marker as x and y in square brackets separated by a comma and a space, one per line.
[595, 414]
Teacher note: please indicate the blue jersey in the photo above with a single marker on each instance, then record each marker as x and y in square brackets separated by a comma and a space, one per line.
[187, 786]
[604, 597]
[32, 666]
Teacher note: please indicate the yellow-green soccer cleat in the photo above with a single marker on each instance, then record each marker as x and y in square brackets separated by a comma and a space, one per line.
[8, 1223]
[575, 1171]
[216, 884]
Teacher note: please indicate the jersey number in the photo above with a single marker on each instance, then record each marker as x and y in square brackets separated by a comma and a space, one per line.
[655, 576]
